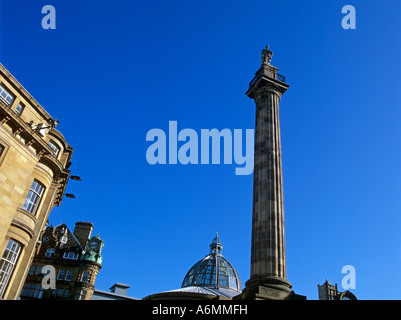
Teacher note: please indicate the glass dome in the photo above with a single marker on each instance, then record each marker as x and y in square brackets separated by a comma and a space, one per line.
[213, 271]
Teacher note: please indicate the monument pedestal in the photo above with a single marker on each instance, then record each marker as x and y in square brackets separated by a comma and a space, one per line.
[268, 288]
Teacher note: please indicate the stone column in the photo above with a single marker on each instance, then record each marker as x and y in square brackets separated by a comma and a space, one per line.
[268, 259]
[268, 245]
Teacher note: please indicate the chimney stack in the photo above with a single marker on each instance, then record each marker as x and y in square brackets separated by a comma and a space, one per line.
[82, 232]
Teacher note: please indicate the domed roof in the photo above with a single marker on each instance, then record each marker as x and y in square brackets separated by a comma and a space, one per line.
[213, 271]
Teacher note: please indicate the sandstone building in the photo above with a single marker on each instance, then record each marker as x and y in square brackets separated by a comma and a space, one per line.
[34, 162]
[76, 258]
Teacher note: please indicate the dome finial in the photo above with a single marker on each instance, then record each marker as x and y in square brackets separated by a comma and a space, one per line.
[216, 246]
[213, 271]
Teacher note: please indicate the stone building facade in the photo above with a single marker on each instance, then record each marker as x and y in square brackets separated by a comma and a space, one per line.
[76, 258]
[327, 291]
[34, 162]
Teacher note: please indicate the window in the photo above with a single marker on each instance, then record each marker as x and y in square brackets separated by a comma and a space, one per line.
[6, 96]
[39, 270]
[85, 276]
[68, 277]
[7, 263]
[62, 294]
[70, 255]
[3, 151]
[66, 293]
[61, 274]
[31, 270]
[19, 109]
[32, 290]
[59, 293]
[32, 201]
[50, 252]
[80, 295]
[55, 148]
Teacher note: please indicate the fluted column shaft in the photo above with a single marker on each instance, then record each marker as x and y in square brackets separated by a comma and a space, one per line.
[268, 235]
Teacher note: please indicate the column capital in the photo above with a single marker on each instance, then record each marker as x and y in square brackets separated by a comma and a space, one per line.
[267, 77]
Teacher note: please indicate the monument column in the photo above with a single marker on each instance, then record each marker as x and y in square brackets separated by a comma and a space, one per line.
[268, 260]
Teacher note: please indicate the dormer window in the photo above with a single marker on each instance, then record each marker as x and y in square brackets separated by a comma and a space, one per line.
[94, 246]
[50, 252]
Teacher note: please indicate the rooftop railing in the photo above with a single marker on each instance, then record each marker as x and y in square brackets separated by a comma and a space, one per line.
[277, 76]
[280, 77]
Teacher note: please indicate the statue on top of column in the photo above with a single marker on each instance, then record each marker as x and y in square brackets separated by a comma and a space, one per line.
[266, 56]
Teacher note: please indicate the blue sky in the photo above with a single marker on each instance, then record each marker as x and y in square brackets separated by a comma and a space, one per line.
[112, 71]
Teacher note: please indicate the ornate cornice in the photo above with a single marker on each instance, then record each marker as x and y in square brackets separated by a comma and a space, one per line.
[19, 127]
